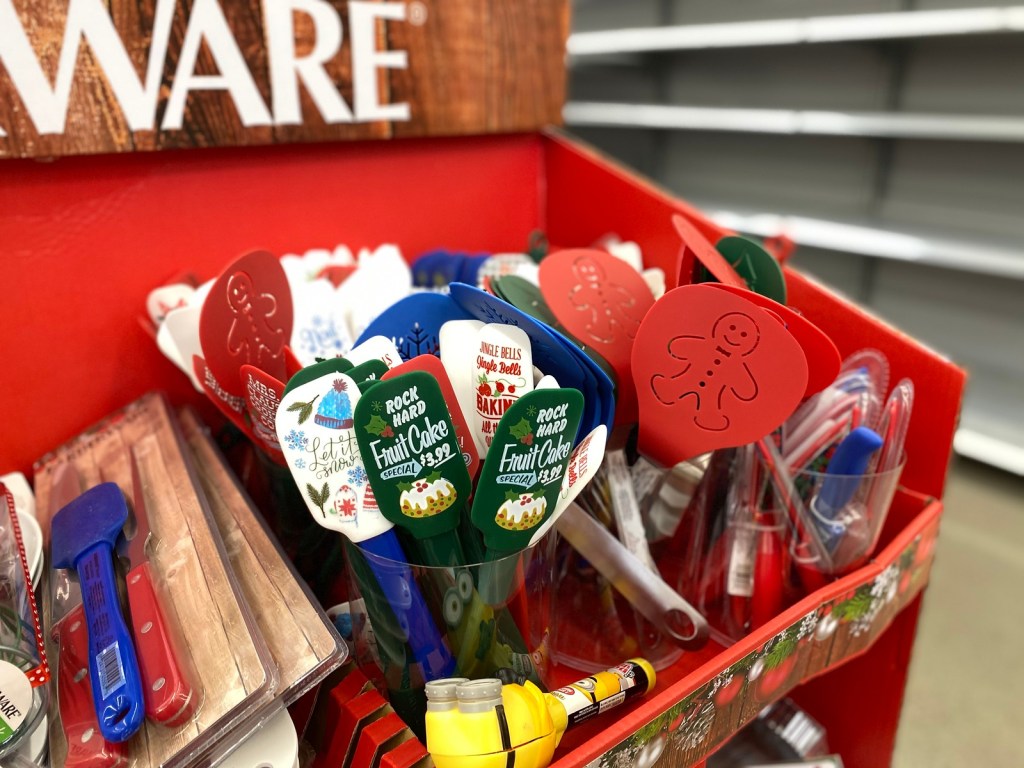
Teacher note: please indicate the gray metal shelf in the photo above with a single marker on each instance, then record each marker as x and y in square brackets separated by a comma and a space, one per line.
[890, 125]
[931, 249]
[810, 30]
[888, 145]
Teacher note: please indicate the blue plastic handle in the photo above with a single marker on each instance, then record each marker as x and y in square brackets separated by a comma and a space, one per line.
[113, 667]
[406, 600]
[842, 479]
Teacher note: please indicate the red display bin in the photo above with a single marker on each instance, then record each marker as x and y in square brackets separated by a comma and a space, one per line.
[84, 239]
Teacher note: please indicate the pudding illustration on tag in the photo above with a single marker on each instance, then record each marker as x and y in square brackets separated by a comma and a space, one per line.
[411, 453]
[426, 497]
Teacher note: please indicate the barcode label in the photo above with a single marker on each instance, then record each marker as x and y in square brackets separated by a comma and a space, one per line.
[108, 662]
[741, 563]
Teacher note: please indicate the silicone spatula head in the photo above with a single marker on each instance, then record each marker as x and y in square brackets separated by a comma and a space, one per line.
[758, 268]
[408, 444]
[695, 249]
[822, 356]
[712, 370]
[522, 475]
[548, 352]
[320, 329]
[601, 301]
[414, 323]
[247, 319]
[433, 366]
[316, 429]
[502, 373]
[318, 370]
[98, 515]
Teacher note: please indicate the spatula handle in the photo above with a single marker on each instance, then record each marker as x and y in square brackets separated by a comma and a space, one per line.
[113, 667]
[395, 580]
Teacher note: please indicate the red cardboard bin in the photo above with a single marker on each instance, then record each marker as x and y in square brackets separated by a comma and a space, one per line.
[83, 239]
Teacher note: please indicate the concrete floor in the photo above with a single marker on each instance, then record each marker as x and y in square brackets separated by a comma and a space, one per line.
[964, 699]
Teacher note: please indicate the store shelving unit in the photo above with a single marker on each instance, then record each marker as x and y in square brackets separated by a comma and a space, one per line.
[883, 137]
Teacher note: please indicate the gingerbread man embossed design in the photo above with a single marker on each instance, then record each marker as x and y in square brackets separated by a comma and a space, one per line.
[247, 319]
[714, 368]
[612, 311]
[254, 334]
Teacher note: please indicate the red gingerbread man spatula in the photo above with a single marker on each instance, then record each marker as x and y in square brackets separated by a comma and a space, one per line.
[712, 370]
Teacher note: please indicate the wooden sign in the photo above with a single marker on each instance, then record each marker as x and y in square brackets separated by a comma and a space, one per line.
[89, 76]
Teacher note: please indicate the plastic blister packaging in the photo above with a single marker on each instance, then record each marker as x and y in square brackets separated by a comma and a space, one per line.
[221, 662]
[303, 641]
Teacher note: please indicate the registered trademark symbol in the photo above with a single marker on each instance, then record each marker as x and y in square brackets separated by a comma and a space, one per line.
[417, 13]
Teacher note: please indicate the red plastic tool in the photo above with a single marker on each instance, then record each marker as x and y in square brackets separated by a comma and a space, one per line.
[823, 360]
[232, 406]
[247, 319]
[696, 246]
[601, 301]
[712, 370]
[263, 395]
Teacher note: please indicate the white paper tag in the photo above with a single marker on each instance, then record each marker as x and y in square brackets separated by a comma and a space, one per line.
[502, 374]
[625, 508]
[183, 329]
[375, 348]
[15, 699]
[162, 300]
[583, 465]
[458, 350]
[318, 331]
[382, 279]
[740, 581]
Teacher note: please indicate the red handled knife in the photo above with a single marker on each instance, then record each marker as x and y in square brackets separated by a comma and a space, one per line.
[169, 694]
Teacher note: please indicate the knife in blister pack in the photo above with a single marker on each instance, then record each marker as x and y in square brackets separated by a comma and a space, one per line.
[86, 746]
[171, 698]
